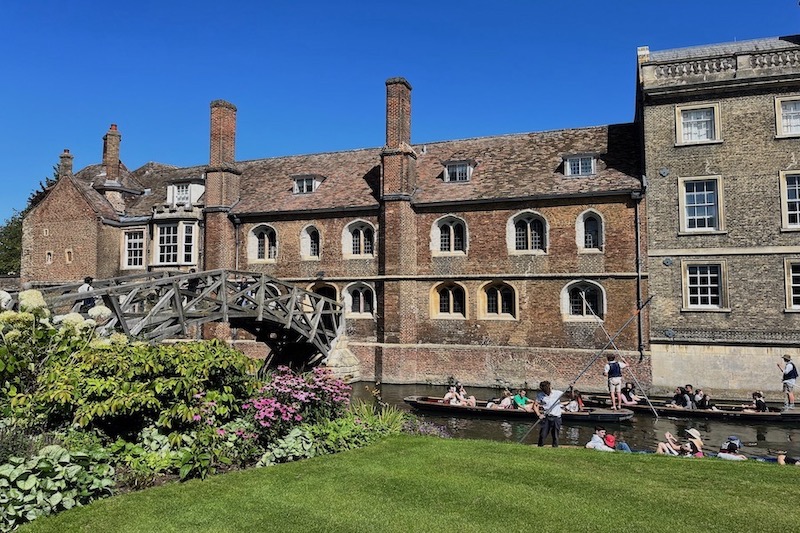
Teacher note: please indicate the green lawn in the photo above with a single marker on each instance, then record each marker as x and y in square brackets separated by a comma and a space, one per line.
[421, 484]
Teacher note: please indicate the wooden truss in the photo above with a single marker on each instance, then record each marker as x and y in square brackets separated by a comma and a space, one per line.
[159, 305]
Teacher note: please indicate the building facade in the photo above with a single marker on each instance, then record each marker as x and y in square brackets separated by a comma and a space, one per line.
[498, 260]
[721, 130]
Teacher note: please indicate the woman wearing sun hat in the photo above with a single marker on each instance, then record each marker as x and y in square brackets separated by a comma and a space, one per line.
[695, 442]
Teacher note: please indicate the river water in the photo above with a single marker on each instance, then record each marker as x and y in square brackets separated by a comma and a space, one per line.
[643, 432]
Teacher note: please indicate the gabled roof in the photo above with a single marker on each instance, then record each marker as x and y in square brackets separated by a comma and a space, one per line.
[156, 177]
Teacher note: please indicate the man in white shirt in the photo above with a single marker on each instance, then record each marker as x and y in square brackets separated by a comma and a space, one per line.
[548, 407]
[789, 379]
[598, 440]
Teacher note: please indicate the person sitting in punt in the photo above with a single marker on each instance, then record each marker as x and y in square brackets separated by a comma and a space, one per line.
[521, 401]
[452, 397]
[681, 399]
[702, 400]
[465, 398]
[758, 405]
[629, 396]
[574, 401]
[506, 402]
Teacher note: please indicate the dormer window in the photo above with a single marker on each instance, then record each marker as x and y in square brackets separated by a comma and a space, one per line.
[582, 165]
[457, 171]
[306, 184]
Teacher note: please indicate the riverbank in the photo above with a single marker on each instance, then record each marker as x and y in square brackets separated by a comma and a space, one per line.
[427, 484]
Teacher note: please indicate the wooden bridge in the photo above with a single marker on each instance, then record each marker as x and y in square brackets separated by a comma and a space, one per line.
[299, 326]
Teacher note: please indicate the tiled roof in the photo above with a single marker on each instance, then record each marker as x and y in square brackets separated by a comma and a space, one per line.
[726, 49]
[351, 180]
[97, 201]
[156, 177]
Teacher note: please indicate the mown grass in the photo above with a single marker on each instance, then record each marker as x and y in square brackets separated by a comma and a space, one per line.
[410, 484]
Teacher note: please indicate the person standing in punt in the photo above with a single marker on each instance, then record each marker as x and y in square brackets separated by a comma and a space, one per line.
[789, 379]
[613, 370]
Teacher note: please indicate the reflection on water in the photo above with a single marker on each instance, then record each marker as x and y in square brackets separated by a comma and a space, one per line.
[641, 433]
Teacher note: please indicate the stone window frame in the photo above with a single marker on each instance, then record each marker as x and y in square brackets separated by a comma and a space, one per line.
[271, 244]
[360, 227]
[788, 212]
[779, 101]
[305, 183]
[307, 243]
[580, 232]
[722, 284]
[483, 301]
[434, 299]
[68, 256]
[125, 257]
[366, 293]
[48, 257]
[717, 124]
[565, 299]
[792, 284]
[720, 206]
[449, 221]
[511, 233]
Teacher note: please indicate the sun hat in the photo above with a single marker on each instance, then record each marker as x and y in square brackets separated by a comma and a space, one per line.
[694, 433]
[786, 357]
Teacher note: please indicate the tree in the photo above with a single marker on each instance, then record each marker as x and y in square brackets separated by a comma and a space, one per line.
[11, 230]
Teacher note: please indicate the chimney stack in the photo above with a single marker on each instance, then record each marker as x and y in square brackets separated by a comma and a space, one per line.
[223, 133]
[65, 164]
[398, 112]
[111, 142]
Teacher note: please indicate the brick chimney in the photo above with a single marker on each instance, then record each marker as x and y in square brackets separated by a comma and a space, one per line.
[65, 164]
[111, 142]
[223, 133]
[398, 112]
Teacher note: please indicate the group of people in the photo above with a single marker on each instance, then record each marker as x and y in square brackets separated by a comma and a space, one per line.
[604, 441]
[689, 398]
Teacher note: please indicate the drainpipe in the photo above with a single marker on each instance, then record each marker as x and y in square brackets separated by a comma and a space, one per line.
[237, 222]
[637, 197]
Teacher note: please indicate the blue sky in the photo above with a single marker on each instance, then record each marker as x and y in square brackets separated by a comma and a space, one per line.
[308, 76]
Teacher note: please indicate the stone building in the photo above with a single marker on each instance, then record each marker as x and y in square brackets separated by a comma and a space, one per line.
[721, 131]
[496, 260]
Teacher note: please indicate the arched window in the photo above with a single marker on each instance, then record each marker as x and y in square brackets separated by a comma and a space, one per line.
[360, 299]
[310, 247]
[589, 232]
[583, 300]
[526, 232]
[263, 244]
[451, 301]
[358, 240]
[499, 301]
[449, 236]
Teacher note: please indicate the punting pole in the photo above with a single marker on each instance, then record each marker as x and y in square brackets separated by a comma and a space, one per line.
[632, 373]
[586, 368]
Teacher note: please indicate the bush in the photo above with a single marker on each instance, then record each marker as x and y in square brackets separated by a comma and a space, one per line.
[121, 388]
[289, 399]
[52, 481]
[298, 444]
[362, 425]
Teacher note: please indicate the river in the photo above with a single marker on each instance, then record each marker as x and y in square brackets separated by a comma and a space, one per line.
[641, 433]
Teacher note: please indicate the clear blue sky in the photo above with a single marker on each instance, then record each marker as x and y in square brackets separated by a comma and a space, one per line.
[308, 76]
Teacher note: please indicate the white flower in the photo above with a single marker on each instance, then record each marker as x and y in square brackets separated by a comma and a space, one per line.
[33, 301]
[72, 319]
[100, 313]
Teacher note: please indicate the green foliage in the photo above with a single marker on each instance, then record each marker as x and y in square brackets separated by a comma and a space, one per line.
[362, 425]
[298, 444]
[51, 481]
[142, 463]
[123, 388]
[11, 244]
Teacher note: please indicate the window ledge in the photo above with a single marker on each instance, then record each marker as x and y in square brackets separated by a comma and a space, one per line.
[499, 318]
[698, 143]
[443, 316]
[359, 316]
[574, 318]
[591, 251]
[788, 136]
[685, 233]
[705, 309]
[449, 254]
[527, 252]
[351, 256]
[791, 310]
[309, 258]
[790, 229]
[262, 261]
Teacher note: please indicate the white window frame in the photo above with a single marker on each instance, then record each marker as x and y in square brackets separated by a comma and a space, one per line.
[305, 184]
[183, 194]
[566, 304]
[680, 134]
[586, 165]
[722, 284]
[457, 171]
[184, 240]
[792, 285]
[359, 226]
[780, 118]
[720, 205]
[348, 300]
[127, 258]
[790, 207]
[580, 232]
[270, 255]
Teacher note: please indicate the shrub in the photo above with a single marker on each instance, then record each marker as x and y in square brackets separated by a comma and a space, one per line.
[298, 444]
[51, 481]
[362, 425]
[289, 399]
[122, 388]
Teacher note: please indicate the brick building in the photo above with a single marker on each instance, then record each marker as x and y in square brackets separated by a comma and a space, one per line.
[498, 260]
[721, 137]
